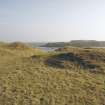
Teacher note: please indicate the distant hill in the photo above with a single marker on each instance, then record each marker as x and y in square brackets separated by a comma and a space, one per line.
[56, 44]
[36, 44]
[87, 43]
[77, 43]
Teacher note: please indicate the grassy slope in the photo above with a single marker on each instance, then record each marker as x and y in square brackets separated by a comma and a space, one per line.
[26, 81]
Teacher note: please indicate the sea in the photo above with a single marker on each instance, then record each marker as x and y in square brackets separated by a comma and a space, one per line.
[48, 48]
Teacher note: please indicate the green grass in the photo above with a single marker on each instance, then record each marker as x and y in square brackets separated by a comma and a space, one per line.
[27, 81]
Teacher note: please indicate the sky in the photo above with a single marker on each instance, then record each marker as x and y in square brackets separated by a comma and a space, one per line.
[52, 20]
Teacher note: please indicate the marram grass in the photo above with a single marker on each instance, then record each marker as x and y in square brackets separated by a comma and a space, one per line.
[27, 81]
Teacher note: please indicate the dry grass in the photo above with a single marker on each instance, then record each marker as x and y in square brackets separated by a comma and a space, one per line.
[27, 81]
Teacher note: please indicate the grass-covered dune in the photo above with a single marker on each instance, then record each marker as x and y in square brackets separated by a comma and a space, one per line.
[19, 49]
[27, 78]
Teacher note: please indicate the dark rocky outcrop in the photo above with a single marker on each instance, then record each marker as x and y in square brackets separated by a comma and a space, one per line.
[58, 60]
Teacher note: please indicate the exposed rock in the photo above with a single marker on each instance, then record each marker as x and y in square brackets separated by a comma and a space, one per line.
[57, 61]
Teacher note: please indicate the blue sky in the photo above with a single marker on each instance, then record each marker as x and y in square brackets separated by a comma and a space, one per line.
[52, 20]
